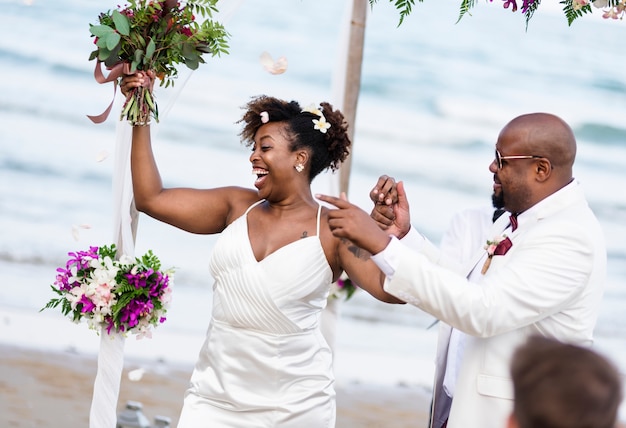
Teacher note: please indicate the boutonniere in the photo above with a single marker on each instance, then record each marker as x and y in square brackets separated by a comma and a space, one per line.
[496, 247]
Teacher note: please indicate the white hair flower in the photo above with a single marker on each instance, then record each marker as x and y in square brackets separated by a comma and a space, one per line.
[321, 124]
[312, 108]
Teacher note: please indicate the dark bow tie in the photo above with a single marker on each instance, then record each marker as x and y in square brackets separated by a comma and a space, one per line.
[513, 220]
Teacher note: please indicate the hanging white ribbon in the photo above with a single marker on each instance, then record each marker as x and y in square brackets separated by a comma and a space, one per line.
[107, 384]
[103, 413]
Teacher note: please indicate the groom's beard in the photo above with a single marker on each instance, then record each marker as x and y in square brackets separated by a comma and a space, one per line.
[497, 200]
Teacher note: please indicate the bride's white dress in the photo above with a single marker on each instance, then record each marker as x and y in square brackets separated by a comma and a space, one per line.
[264, 362]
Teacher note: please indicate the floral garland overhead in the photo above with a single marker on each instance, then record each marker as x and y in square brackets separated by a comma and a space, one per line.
[573, 9]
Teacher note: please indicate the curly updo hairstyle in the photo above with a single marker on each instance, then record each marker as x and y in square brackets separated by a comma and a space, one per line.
[328, 150]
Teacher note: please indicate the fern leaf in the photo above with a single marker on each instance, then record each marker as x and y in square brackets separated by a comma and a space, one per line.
[466, 5]
[572, 13]
[531, 11]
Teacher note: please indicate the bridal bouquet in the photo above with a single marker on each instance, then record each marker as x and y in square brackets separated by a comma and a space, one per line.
[157, 36]
[124, 296]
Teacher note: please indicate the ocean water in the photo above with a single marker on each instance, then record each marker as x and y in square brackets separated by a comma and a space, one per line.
[434, 96]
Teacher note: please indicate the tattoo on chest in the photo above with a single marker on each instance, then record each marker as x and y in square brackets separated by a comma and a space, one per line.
[304, 234]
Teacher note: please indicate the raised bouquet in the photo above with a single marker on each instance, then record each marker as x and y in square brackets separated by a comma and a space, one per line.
[156, 36]
[123, 296]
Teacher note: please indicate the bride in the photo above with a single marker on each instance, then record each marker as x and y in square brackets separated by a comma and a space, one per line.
[264, 362]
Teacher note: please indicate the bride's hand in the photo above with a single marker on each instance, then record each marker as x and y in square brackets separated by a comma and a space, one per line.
[136, 80]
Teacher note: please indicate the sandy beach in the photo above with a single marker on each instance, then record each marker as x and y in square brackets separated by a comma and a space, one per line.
[53, 389]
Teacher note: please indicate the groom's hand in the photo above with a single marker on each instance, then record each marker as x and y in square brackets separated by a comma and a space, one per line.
[384, 192]
[392, 214]
[402, 215]
[350, 222]
[384, 195]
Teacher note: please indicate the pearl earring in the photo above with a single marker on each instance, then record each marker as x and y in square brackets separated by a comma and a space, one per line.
[299, 167]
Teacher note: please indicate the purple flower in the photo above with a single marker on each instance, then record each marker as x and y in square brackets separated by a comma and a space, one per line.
[526, 4]
[87, 304]
[132, 312]
[62, 279]
[139, 280]
[508, 3]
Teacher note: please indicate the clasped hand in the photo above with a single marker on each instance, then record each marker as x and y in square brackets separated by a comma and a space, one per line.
[390, 216]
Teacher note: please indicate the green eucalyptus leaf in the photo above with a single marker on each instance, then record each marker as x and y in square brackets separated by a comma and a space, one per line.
[192, 63]
[150, 49]
[113, 57]
[139, 54]
[101, 30]
[112, 40]
[111, 61]
[122, 24]
[102, 43]
[189, 51]
[103, 54]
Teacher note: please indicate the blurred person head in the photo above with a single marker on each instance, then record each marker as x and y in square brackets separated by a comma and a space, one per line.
[558, 385]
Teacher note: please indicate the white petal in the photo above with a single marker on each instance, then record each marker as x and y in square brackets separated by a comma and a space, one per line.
[136, 375]
[274, 67]
[102, 156]
[280, 66]
[75, 233]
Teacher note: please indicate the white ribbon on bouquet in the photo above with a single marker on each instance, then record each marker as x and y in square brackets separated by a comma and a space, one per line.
[103, 412]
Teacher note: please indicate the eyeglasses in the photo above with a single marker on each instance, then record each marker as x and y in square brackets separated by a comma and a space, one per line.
[500, 158]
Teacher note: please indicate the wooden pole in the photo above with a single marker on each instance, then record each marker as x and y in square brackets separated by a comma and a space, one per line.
[356, 41]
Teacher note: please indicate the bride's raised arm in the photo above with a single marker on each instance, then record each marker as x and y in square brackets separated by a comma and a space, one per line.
[203, 211]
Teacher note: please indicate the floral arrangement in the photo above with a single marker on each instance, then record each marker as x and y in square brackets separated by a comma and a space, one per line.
[499, 246]
[122, 296]
[573, 9]
[343, 288]
[156, 36]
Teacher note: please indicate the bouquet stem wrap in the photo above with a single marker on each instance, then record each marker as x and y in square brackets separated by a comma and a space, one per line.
[103, 413]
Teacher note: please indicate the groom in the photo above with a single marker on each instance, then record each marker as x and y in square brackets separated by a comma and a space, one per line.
[543, 274]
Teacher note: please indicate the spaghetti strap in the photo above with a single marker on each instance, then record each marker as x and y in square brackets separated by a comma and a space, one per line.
[319, 211]
[253, 205]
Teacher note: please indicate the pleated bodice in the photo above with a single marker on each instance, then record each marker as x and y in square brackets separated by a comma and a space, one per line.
[264, 362]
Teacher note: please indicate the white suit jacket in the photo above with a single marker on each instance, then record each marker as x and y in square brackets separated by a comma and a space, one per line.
[468, 230]
[550, 282]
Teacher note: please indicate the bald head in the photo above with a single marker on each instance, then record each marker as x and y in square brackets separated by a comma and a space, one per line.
[546, 135]
[551, 146]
